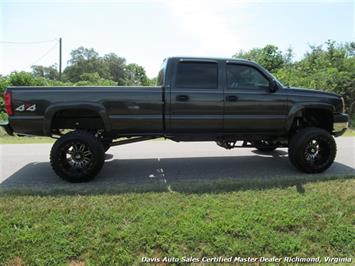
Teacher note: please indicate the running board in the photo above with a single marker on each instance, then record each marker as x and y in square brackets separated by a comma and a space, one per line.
[131, 140]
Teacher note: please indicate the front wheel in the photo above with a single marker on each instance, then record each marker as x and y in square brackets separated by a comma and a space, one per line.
[312, 150]
[78, 156]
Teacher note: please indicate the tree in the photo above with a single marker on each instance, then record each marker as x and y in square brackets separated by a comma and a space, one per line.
[109, 67]
[50, 72]
[269, 57]
[83, 60]
[82, 54]
[136, 76]
[94, 79]
[23, 78]
[115, 67]
[152, 82]
[329, 68]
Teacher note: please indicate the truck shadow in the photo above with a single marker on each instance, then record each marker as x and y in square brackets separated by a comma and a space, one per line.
[188, 175]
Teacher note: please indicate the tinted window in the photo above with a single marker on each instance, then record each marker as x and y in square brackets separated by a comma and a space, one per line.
[197, 75]
[242, 76]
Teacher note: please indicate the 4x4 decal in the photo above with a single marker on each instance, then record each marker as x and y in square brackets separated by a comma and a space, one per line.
[26, 107]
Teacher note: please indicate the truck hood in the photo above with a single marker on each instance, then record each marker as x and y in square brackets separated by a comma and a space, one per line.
[312, 92]
[309, 95]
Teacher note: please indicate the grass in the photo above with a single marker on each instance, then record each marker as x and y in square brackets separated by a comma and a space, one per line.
[6, 139]
[296, 217]
[349, 133]
[24, 140]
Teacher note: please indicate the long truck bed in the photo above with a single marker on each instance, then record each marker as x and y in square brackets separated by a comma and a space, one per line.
[125, 109]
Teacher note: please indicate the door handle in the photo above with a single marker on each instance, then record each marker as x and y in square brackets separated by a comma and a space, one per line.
[232, 98]
[182, 98]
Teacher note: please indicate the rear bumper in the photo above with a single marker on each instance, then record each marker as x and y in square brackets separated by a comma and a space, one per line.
[6, 126]
[340, 124]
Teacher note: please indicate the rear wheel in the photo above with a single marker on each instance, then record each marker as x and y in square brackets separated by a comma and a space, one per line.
[265, 146]
[312, 150]
[77, 156]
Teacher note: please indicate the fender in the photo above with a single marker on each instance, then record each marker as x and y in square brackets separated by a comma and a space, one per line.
[52, 109]
[301, 106]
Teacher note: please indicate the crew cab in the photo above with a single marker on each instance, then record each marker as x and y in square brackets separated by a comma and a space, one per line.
[234, 102]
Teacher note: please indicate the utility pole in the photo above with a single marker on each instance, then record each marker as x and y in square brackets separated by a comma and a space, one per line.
[60, 58]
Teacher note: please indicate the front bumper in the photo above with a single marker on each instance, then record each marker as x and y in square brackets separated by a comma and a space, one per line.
[340, 124]
[6, 126]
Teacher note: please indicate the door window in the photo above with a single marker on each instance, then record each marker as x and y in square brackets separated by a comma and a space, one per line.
[199, 75]
[244, 77]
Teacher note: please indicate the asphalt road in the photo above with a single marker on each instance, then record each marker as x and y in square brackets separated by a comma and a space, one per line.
[27, 165]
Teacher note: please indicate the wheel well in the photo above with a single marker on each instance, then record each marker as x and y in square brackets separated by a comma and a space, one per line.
[75, 118]
[313, 117]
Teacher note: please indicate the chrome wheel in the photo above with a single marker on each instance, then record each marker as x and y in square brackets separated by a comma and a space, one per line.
[76, 157]
[79, 155]
[316, 151]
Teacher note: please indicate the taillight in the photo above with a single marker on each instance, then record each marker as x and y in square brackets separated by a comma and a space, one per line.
[8, 104]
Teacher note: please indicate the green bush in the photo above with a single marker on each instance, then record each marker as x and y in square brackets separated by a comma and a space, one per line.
[3, 84]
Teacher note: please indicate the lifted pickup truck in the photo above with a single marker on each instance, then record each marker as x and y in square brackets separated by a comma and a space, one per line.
[234, 102]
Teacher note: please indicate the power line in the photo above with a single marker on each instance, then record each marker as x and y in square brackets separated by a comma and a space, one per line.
[35, 42]
[44, 55]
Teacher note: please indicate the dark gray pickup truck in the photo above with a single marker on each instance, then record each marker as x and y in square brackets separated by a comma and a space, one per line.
[234, 102]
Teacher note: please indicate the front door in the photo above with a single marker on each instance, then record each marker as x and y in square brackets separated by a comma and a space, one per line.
[250, 105]
[196, 98]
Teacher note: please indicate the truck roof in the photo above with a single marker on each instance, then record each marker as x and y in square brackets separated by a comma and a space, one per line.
[209, 59]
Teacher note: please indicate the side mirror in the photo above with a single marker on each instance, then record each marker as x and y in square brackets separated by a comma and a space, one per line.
[273, 86]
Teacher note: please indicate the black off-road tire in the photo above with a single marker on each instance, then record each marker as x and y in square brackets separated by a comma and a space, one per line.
[312, 142]
[64, 164]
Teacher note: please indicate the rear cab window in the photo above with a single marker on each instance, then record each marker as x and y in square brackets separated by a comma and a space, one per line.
[197, 75]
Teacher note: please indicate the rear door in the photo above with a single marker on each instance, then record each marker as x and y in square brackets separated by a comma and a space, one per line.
[196, 97]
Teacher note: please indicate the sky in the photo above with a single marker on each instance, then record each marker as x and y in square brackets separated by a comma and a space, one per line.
[146, 32]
